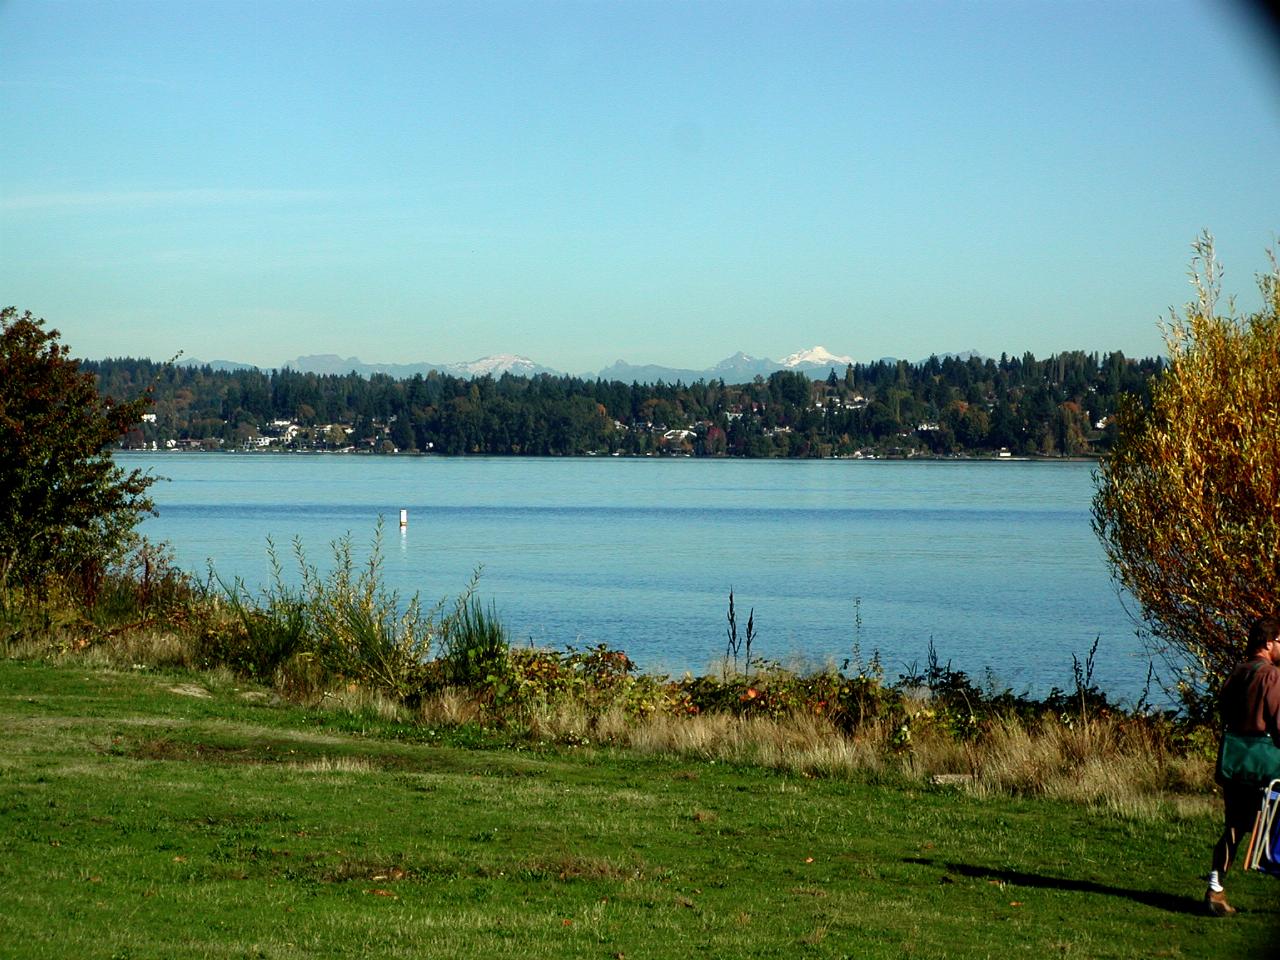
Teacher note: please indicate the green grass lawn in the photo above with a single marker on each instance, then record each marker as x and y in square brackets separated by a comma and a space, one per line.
[140, 820]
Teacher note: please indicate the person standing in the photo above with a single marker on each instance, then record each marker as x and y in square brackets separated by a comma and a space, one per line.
[1250, 705]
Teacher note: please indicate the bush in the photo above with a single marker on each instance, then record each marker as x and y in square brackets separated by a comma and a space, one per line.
[362, 631]
[65, 509]
[1188, 504]
[596, 679]
[257, 639]
[349, 628]
[140, 587]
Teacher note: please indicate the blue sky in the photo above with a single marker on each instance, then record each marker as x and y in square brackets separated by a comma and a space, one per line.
[666, 182]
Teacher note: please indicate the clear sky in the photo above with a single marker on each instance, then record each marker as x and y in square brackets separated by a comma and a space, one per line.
[661, 181]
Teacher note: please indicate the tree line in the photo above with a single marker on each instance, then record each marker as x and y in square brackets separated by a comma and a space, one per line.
[1061, 405]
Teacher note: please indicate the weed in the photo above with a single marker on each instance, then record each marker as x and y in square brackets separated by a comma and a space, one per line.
[732, 647]
[361, 629]
[260, 636]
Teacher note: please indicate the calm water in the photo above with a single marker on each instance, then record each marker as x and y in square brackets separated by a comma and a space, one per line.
[995, 561]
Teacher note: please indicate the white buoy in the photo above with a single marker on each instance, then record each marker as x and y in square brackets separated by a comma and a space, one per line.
[404, 518]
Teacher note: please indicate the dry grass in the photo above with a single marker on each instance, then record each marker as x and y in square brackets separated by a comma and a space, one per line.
[121, 649]
[450, 707]
[157, 649]
[23, 648]
[358, 699]
[1115, 764]
[337, 765]
[568, 721]
[301, 680]
[800, 743]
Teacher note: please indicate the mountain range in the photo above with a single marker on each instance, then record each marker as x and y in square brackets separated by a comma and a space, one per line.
[738, 368]
[494, 365]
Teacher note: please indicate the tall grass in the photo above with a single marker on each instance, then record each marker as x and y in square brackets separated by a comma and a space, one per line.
[345, 626]
[271, 630]
[473, 641]
[140, 592]
[1112, 763]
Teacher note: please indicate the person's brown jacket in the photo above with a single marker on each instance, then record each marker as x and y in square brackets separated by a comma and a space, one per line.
[1250, 699]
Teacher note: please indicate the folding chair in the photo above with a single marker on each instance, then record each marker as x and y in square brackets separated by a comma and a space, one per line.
[1264, 842]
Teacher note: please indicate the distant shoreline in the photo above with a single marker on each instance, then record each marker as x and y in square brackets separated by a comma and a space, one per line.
[417, 454]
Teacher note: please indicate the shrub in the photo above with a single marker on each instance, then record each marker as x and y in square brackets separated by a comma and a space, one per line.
[1188, 504]
[597, 680]
[65, 508]
[258, 639]
[140, 587]
[361, 630]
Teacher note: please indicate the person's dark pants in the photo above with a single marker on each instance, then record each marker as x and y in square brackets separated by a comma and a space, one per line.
[1241, 804]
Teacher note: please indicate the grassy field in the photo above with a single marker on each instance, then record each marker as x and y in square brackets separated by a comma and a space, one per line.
[185, 815]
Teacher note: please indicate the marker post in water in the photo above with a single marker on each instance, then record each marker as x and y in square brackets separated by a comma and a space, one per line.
[404, 519]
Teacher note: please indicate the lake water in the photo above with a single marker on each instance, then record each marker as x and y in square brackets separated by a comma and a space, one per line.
[995, 561]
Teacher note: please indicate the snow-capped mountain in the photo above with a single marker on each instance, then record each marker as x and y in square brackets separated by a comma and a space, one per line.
[739, 368]
[742, 366]
[739, 359]
[496, 366]
[814, 357]
[327, 363]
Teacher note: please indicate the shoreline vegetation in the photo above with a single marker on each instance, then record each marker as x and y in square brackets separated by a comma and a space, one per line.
[342, 643]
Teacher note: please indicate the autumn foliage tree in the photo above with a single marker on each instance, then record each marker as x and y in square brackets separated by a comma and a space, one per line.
[66, 510]
[1188, 504]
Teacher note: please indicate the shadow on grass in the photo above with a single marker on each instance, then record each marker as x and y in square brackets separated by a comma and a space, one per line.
[1151, 898]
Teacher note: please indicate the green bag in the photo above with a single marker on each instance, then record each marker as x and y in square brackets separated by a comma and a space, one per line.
[1247, 758]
